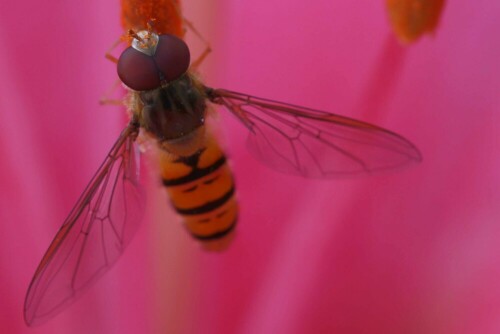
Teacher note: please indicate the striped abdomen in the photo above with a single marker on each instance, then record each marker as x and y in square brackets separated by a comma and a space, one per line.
[202, 191]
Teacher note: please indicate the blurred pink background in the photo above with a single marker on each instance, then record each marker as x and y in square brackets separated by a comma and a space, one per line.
[410, 252]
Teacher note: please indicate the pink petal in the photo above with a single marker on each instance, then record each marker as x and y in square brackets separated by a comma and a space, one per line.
[409, 252]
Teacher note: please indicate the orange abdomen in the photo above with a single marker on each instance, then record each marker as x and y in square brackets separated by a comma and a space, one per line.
[202, 191]
[166, 14]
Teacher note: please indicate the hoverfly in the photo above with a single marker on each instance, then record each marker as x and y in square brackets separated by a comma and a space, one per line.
[169, 104]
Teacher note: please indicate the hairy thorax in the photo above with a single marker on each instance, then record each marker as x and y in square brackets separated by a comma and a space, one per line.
[173, 114]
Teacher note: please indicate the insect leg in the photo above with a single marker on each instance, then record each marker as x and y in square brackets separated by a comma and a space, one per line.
[196, 63]
[107, 100]
[108, 54]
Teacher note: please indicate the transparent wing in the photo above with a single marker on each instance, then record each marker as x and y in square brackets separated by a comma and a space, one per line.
[93, 236]
[312, 143]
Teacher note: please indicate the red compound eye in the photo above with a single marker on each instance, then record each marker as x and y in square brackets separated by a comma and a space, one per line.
[168, 62]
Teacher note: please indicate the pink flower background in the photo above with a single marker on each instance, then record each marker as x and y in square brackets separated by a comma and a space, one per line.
[415, 251]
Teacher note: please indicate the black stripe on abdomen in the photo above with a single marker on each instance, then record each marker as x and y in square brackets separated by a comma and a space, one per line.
[216, 235]
[195, 174]
[208, 207]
